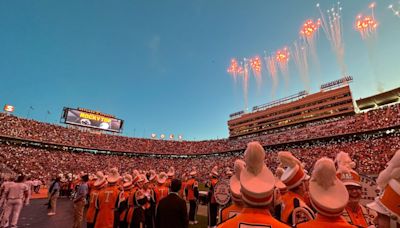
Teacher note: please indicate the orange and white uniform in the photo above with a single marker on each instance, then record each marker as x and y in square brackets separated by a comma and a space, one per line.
[107, 202]
[326, 222]
[258, 217]
[361, 217]
[182, 192]
[92, 209]
[229, 212]
[161, 192]
[190, 186]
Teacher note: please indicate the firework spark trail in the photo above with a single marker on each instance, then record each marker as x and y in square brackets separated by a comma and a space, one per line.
[255, 64]
[282, 58]
[396, 12]
[245, 83]
[333, 31]
[367, 27]
[273, 72]
[300, 58]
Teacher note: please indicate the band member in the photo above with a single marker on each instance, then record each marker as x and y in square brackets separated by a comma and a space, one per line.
[257, 187]
[98, 185]
[234, 186]
[161, 189]
[108, 200]
[354, 213]
[171, 175]
[137, 182]
[295, 209]
[212, 203]
[139, 218]
[387, 205]
[328, 195]
[192, 189]
[123, 208]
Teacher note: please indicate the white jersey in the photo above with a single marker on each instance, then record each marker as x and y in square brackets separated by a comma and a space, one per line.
[16, 190]
[3, 187]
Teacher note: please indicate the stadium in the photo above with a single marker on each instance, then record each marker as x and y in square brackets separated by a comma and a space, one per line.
[195, 114]
[367, 129]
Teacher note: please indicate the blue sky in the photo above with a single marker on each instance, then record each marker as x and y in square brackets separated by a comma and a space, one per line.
[161, 65]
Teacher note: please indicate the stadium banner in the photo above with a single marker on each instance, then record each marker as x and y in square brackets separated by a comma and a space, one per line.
[92, 120]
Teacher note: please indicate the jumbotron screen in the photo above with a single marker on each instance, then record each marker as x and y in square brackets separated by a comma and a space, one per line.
[93, 120]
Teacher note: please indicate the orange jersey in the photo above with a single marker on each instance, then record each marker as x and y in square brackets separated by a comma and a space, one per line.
[190, 186]
[361, 217]
[90, 185]
[326, 222]
[229, 212]
[161, 192]
[107, 202]
[92, 209]
[258, 217]
[182, 193]
[211, 186]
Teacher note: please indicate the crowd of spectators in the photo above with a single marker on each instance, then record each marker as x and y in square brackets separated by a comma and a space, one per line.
[357, 135]
[371, 152]
[12, 126]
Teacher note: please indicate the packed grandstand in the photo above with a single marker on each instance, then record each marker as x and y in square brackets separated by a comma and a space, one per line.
[47, 149]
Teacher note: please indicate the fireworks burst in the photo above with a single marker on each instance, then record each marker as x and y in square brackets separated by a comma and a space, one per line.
[255, 64]
[309, 32]
[282, 58]
[309, 28]
[331, 23]
[396, 11]
[233, 69]
[366, 25]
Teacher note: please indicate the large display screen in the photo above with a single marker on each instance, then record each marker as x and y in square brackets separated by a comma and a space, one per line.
[86, 119]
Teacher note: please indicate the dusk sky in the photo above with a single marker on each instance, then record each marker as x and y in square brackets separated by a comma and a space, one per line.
[161, 66]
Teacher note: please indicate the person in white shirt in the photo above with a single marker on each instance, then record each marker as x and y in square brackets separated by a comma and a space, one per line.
[16, 195]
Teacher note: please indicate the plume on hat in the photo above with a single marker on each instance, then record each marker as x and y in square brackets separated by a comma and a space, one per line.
[238, 167]
[135, 173]
[324, 173]
[288, 160]
[344, 162]
[114, 171]
[254, 157]
[392, 171]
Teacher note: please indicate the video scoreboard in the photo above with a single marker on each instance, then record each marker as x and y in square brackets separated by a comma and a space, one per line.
[92, 119]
